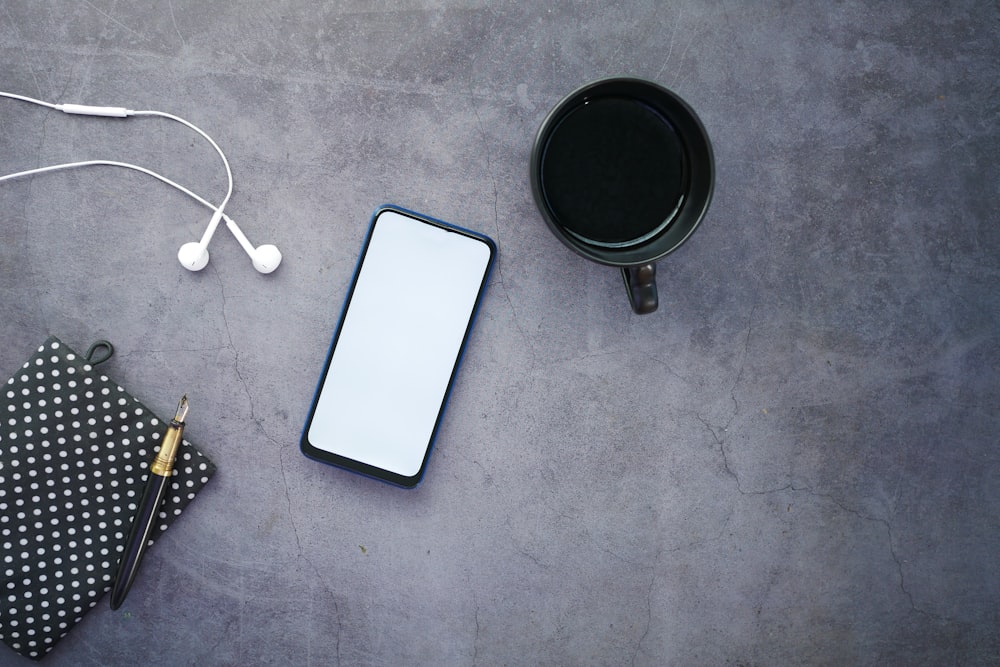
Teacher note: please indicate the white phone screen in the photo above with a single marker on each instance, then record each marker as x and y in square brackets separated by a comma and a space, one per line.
[401, 335]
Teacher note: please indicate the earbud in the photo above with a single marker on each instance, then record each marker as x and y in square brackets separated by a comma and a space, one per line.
[193, 256]
[266, 258]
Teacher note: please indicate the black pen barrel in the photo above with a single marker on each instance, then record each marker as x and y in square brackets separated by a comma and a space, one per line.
[160, 471]
[138, 537]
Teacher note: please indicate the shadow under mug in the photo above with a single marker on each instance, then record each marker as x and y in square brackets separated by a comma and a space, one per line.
[622, 172]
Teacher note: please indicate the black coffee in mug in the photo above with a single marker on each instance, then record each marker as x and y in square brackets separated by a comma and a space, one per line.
[622, 172]
[609, 156]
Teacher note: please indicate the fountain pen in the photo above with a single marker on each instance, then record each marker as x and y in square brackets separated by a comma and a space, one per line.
[160, 471]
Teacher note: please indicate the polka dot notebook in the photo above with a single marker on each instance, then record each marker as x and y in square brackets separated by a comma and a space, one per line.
[75, 448]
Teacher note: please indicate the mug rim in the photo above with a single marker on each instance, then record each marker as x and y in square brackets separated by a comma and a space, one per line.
[698, 152]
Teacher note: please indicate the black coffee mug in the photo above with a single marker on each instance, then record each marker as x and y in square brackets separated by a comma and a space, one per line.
[622, 172]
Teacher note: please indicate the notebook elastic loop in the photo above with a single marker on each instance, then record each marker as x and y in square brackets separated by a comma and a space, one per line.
[99, 352]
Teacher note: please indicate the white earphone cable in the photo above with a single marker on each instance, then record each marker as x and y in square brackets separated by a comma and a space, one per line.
[121, 112]
[193, 256]
[23, 98]
[113, 163]
[229, 173]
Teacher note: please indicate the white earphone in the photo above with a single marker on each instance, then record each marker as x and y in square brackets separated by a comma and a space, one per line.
[194, 255]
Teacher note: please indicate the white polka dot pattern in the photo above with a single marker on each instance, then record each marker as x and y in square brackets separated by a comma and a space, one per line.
[74, 452]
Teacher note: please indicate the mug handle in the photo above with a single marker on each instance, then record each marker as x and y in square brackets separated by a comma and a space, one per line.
[640, 281]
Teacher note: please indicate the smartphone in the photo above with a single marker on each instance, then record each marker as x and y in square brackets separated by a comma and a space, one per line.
[396, 351]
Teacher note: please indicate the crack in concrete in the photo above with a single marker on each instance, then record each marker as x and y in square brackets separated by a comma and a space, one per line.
[718, 435]
[743, 364]
[892, 547]
[649, 619]
[725, 457]
[232, 346]
[496, 219]
[300, 553]
[475, 640]
[669, 369]
[223, 635]
[715, 429]
[288, 502]
[791, 487]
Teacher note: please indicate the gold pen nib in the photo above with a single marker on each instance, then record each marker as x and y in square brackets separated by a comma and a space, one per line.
[182, 410]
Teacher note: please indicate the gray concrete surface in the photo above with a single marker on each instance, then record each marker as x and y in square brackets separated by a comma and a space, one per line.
[793, 462]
